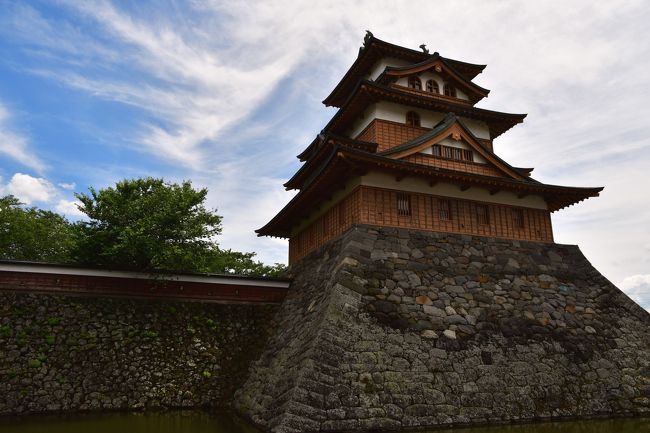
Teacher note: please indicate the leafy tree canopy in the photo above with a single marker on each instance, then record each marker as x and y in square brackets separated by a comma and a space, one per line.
[235, 262]
[33, 234]
[148, 224]
[138, 224]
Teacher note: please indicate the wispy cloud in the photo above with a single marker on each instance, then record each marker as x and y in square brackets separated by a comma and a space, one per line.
[637, 287]
[67, 186]
[15, 144]
[230, 90]
[196, 81]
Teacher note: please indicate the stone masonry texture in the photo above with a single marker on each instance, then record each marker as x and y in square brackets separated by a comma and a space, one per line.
[388, 328]
[65, 353]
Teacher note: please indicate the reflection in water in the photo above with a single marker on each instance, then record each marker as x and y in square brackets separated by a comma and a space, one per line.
[618, 425]
[203, 422]
[132, 422]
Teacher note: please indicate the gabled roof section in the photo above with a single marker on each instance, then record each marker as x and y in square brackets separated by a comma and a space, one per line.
[342, 164]
[321, 153]
[369, 92]
[449, 126]
[374, 49]
[324, 137]
[441, 66]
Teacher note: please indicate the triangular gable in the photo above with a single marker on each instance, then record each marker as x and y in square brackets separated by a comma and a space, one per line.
[438, 65]
[373, 50]
[452, 127]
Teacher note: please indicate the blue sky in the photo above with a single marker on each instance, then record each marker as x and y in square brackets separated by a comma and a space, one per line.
[227, 93]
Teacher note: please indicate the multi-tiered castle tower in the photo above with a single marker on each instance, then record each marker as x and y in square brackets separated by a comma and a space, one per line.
[427, 289]
[409, 148]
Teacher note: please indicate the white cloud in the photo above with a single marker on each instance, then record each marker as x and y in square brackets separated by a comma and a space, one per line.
[67, 186]
[32, 190]
[15, 144]
[68, 207]
[29, 189]
[637, 287]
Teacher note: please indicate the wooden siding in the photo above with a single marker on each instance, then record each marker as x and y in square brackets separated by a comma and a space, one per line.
[378, 206]
[468, 167]
[388, 134]
[331, 224]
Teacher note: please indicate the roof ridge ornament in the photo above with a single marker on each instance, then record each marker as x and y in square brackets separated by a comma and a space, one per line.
[366, 42]
[424, 48]
[367, 37]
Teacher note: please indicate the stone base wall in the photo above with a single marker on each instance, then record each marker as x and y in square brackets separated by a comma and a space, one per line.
[389, 328]
[64, 353]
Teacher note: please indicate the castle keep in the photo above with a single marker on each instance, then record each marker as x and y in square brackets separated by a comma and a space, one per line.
[427, 289]
[409, 148]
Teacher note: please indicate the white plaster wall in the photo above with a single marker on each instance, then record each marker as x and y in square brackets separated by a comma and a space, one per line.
[381, 64]
[412, 184]
[362, 121]
[478, 127]
[430, 75]
[397, 113]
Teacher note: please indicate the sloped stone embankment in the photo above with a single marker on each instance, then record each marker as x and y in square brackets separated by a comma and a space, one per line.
[388, 328]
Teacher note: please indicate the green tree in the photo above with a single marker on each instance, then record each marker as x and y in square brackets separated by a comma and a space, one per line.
[33, 234]
[235, 262]
[148, 224]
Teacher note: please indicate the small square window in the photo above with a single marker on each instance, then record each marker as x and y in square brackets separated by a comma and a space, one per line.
[444, 209]
[403, 205]
[518, 218]
[482, 214]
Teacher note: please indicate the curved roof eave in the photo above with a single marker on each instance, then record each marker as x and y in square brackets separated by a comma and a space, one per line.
[460, 109]
[374, 45]
[425, 65]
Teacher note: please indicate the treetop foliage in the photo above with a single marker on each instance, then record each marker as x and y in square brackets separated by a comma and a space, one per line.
[143, 224]
[33, 234]
[148, 224]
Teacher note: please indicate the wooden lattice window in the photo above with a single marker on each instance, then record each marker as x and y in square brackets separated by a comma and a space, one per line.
[415, 83]
[412, 118]
[403, 204]
[452, 152]
[432, 86]
[450, 90]
[444, 209]
[518, 218]
[482, 214]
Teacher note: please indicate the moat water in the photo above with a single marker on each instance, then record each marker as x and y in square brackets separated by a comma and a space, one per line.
[203, 422]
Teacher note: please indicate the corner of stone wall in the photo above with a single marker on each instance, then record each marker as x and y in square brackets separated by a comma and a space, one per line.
[390, 328]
